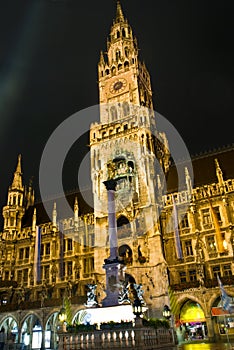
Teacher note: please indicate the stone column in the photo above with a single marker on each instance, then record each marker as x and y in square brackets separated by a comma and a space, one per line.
[112, 265]
[210, 328]
[111, 187]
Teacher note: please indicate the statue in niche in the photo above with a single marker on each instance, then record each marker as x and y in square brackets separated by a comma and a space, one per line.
[141, 257]
[91, 295]
[110, 170]
[54, 272]
[69, 288]
[77, 268]
[43, 294]
[31, 274]
[20, 295]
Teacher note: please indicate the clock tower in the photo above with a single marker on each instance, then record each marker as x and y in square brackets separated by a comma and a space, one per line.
[122, 77]
[127, 148]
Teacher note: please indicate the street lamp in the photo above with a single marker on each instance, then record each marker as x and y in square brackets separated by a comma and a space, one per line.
[166, 312]
[62, 316]
[137, 311]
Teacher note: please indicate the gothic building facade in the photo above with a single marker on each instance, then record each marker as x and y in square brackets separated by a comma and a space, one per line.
[125, 146]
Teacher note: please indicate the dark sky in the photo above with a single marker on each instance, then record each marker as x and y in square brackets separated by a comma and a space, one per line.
[49, 51]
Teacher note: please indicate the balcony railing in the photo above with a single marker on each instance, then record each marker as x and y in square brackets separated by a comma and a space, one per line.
[208, 283]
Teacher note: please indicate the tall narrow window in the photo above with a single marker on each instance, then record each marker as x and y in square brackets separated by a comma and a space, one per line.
[47, 249]
[26, 252]
[113, 111]
[188, 247]
[206, 218]
[21, 253]
[126, 110]
[211, 244]
[69, 268]
[184, 221]
[69, 244]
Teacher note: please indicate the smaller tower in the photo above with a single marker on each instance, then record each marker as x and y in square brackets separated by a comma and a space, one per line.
[34, 221]
[219, 172]
[14, 210]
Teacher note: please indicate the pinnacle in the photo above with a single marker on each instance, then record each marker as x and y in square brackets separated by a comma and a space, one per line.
[119, 12]
[17, 181]
[18, 168]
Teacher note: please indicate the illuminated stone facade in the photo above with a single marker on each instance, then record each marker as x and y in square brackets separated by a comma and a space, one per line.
[124, 146]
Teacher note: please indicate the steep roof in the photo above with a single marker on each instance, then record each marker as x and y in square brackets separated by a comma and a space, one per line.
[85, 203]
[204, 168]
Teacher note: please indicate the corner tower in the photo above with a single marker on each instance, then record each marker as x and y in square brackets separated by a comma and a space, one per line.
[126, 147]
[14, 210]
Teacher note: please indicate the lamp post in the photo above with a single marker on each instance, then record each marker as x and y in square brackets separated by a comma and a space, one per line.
[166, 312]
[137, 311]
[62, 318]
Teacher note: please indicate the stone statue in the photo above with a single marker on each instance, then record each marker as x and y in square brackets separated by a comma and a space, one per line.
[20, 295]
[124, 294]
[139, 292]
[110, 170]
[91, 295]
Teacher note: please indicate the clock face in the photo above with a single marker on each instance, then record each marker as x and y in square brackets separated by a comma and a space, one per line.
[118, 86]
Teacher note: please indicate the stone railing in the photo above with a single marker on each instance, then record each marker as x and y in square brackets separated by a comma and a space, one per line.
[199, 193]
[132, 338]
[208, 283]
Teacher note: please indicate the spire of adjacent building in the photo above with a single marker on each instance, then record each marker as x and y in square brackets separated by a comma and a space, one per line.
[17, 181]
[119, 13]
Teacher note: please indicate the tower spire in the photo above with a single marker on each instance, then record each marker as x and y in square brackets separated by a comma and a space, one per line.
[17, 181]
[119, 13]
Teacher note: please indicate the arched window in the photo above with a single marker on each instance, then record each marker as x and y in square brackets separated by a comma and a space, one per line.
[124, 228]
[123, 33]
[122, 221]
[120, 66]
[125, 109]
[126, 51]
[126, 65]
[117, 55]
[107, 71]
[113, 70]
[118, 34]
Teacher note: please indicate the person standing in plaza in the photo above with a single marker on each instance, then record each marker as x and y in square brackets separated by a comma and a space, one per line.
[2, 338]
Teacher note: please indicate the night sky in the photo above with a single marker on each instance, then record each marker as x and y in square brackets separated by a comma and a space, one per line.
[49, 50]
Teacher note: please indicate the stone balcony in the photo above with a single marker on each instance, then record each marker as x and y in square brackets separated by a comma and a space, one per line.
[126, 338]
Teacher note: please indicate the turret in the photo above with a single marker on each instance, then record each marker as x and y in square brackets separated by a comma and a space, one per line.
[219, 173]
[54, 214]
[34, 221]
[76, 214]
[188, 181]
[14, 210]
[29, 195]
